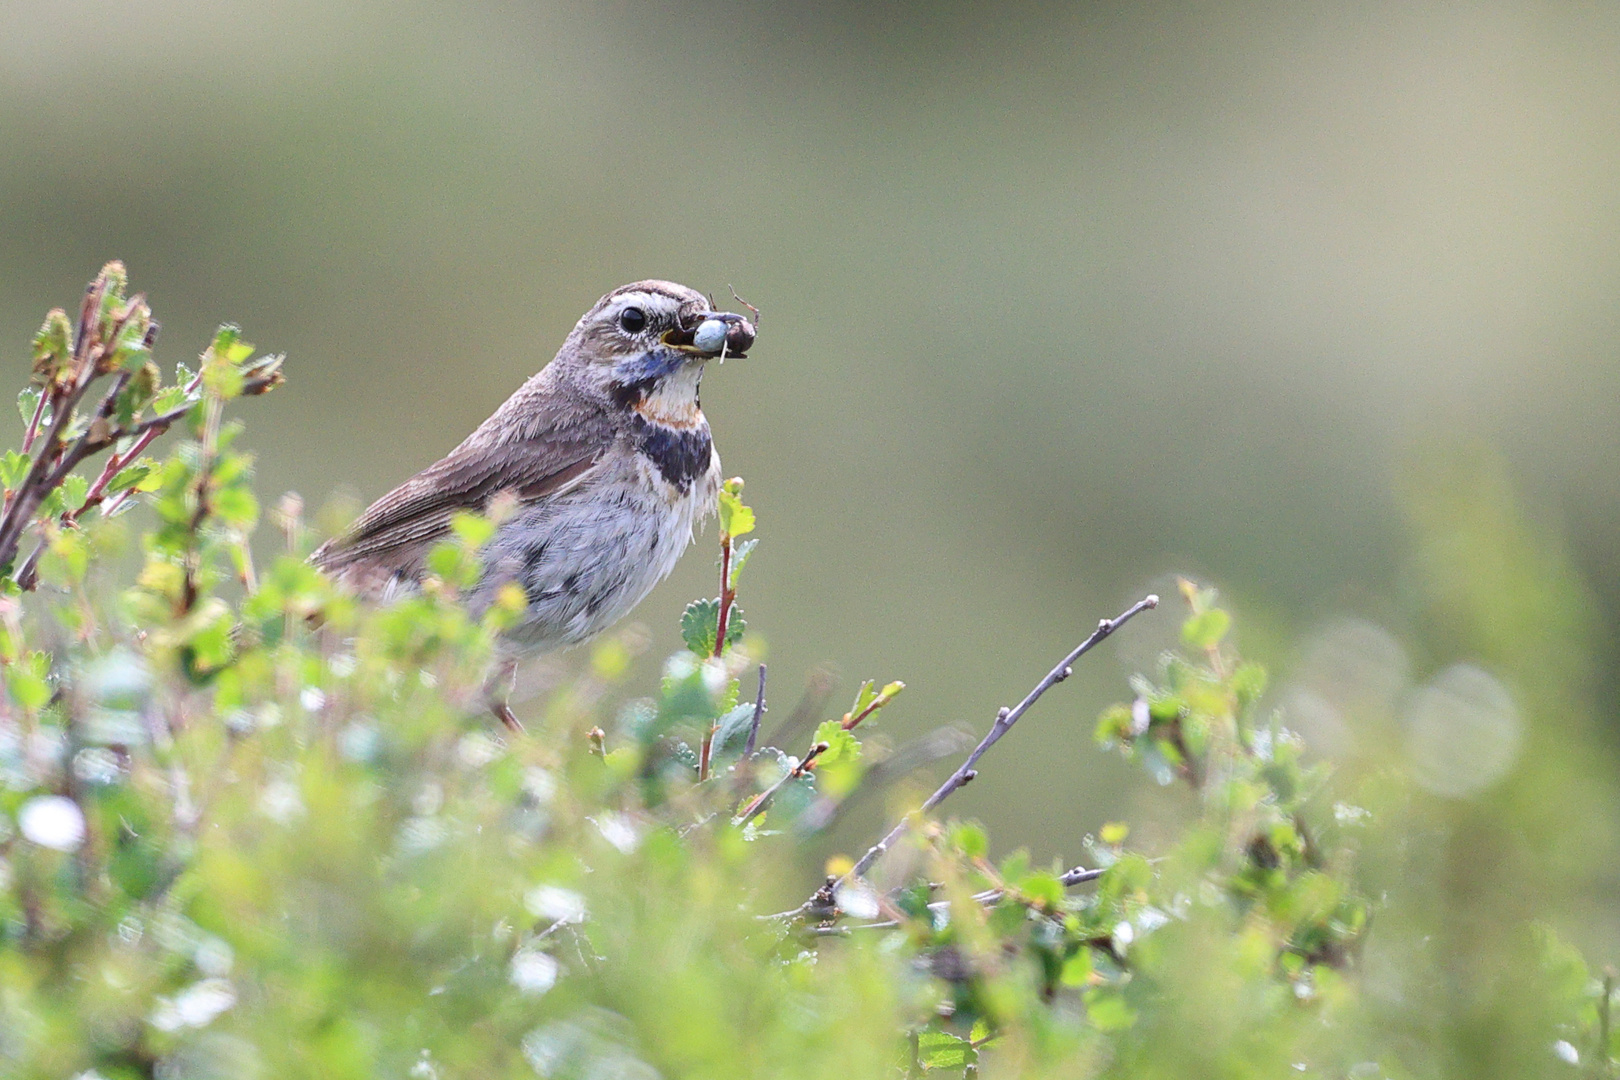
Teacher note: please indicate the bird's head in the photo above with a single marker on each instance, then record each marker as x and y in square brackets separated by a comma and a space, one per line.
[646, 344]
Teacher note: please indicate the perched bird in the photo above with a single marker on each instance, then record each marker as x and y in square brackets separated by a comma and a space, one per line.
[608, 456]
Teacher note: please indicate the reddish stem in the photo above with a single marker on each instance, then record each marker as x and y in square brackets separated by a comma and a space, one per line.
[728, 596]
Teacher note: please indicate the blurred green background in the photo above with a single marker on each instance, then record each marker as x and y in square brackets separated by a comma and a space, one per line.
[1058, 300]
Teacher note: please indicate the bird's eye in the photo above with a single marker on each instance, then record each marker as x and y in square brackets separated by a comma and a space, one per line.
[632, 320]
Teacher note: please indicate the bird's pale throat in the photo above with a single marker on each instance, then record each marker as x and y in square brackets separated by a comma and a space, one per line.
[661, 385]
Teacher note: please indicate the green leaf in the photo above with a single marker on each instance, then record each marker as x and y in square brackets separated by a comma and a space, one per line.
[52, 343]
[13, 467]
[1108, 1010]
[27, 682]
[735, 518]
[970, 839]
[236, 507]
[700, 623]
[732, 731]
[863, 697]
[223, 379]
[841, 745]
[74, 490]
[739, 559]
[473, 530]
[27, 402]
[1114, 833]
[130, 476]
[1249, 682]
[1206, 629]
[1077, 968]
[942, 1050]
[839, 768]
[171, 398]
[1042, 888]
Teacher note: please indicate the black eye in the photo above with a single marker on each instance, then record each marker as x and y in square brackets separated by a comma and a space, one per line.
[632, 320]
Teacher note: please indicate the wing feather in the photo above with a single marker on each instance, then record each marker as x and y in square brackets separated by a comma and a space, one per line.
[394, 534]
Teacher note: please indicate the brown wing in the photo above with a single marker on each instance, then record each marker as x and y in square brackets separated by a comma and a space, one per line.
[393, 536]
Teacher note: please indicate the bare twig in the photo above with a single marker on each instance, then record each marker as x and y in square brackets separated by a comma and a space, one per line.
[756, 806]
[818, 688]
[937, 744]
[1005, 719]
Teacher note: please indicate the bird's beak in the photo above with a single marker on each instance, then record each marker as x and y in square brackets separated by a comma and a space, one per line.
[735, 342]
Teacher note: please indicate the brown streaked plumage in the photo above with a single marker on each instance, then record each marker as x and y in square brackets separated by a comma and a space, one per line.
[607, 454]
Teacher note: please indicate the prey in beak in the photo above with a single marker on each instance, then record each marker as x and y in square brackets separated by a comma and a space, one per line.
[712, 334]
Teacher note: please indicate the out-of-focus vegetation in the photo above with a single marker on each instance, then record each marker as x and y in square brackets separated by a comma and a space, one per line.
[1059, 298]
[251, 828]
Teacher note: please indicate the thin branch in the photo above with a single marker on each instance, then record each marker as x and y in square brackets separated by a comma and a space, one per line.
[757, 805]
[939, 743]
[1005, 719]
[818, 688]
[1078, 876]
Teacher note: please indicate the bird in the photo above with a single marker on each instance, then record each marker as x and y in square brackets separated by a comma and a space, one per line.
[605, 459]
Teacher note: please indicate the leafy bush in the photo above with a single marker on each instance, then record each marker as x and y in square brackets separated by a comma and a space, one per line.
[249, 827]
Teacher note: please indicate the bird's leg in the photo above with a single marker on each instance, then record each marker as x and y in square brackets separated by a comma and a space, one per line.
[503, 713]
[499, 688]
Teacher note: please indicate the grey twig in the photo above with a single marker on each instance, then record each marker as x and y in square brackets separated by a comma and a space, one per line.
[822, 901]
[1005, 719]
[818, 690]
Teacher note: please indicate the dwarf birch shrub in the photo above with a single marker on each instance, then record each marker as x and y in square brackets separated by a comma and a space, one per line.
[252, 828]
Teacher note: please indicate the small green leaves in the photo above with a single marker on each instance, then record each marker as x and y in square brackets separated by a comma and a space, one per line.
[52, 345]
[28, 680]
[473, 530]
[942, 1050]
[13, 467]
[1205, 629]
[968, 837]
[131, 476]
[28, 402]
[74, 489]
[236, 507]
[701, 623]
[869, 700]
[735, 518]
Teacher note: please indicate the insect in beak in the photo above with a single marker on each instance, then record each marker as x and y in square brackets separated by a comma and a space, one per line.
[717, 333]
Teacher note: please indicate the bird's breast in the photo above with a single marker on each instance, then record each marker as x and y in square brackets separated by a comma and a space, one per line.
[681, 455]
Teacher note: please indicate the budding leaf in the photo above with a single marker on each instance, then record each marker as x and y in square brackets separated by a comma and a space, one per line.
[735, 518]
[13, 467]
[1206, 629]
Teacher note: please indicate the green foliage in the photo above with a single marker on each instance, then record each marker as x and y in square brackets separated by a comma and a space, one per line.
[250, 827]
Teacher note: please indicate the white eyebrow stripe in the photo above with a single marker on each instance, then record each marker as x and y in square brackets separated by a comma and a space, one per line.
[655, 302]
